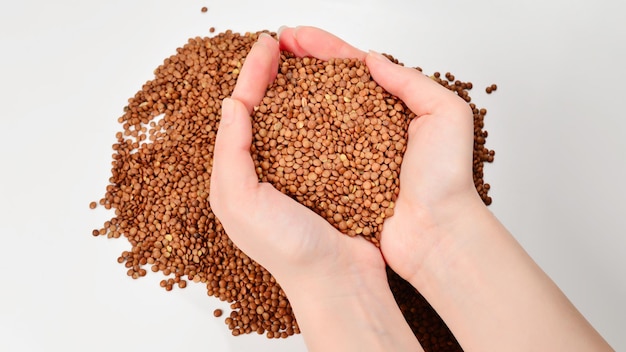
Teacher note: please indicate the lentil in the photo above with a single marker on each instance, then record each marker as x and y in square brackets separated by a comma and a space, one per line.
[303, 106]
[325, 133]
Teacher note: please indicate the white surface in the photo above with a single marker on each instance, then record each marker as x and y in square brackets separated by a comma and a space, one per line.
[67, 67]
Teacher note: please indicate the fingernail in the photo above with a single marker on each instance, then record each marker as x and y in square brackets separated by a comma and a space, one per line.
[228, 111]
[295, 31]
[280, 30]
[378, 56]
[260, 40]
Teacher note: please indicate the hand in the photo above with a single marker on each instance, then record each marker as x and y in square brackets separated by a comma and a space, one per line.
[448, 245]
[436, 180]
[336, 284]
[478, 275]
[282, 235]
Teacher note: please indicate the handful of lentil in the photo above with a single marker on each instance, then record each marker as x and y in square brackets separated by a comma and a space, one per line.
[325, 133]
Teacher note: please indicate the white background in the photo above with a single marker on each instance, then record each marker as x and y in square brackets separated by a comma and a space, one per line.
[557, 123]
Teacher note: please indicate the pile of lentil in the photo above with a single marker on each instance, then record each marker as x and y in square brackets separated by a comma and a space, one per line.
[325, 133]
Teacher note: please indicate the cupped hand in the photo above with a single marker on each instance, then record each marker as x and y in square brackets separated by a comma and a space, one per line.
[288, 239]
[436, 182]
[442, 239]
[436, 176]
[336, 284]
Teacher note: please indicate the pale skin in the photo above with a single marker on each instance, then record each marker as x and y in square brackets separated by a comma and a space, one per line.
[442, 238]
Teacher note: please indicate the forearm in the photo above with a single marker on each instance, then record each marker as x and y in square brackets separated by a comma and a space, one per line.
[350, 313]
[494, 297]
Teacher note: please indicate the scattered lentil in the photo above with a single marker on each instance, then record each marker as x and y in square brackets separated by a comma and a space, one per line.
[204, 9]
[325, 133]
[217, 313]
[93, 205]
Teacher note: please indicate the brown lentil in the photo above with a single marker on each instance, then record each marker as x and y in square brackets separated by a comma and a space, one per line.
[204, 9]
[353, 124]
[325, 133]
[217, 313]
[93, 205]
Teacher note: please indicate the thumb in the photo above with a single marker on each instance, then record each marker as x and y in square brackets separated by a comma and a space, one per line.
[233, 173]
[233, 169]
[420, 93]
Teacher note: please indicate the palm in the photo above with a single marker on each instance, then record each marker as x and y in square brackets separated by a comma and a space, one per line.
[296, 237]
[438, 160]
[429, 176]
[436, 172]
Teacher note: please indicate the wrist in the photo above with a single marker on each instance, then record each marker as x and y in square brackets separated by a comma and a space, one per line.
[478, 276]
[352, 308]
[349, 274]
[418, 235]
[449, 238]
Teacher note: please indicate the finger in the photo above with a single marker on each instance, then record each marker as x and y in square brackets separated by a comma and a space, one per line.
[314, 42]
[420, 93]
[287, 41]
[233, 174]
[259, 70]
[233, 168]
